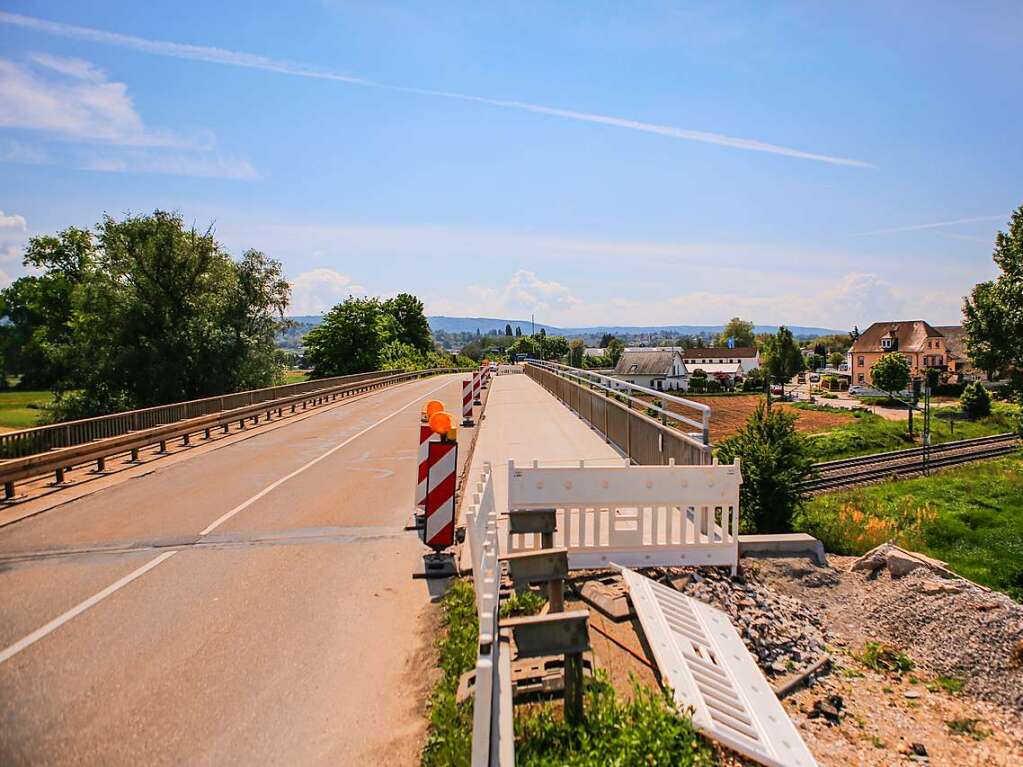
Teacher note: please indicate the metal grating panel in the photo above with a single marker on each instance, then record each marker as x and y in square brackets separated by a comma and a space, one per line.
[703, 659]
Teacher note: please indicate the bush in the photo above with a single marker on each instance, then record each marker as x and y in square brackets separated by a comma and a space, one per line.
[644, 730]
[948, 389]
[713, 385]
[975, 400]
[774, 462]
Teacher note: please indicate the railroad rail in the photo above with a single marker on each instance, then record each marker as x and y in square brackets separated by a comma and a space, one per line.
[865, 469]
[121, 433]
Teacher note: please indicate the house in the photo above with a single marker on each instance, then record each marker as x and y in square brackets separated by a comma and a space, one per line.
[594, 351]
[735, 362]
[921, 344]
[655, 369]
[960, 366]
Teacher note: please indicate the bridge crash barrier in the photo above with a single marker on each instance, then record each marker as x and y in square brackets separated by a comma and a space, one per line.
[639, 516]
[98, 439]
[643, 439]
[556, 633]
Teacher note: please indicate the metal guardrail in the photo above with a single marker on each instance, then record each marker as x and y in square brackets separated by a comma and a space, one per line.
[61, 459]
[644, 440]
[622, 388]
[39, 439]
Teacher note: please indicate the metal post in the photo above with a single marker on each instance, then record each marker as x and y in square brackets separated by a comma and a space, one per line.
[59, 475]
[134, 455]
[573, 687]
[186, 439]
[163, 446]
[206, 434]
[101, 464]
[8, 490]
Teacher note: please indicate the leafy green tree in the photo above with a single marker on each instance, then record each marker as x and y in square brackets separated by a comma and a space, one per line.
[554, 347]
[605, 339]
[993, 313]
[411, 326]
[507, 329]
[836, 359]
[782, 356]
[890, 373]
[145, 312]
[576, 352]
[350, 339]
[518, 331]
[774, 463]
[754, 380]
[975, 400]
[615, 349]
[739, 331]
[525, 345]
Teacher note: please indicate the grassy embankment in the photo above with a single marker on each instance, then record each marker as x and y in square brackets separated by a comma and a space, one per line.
[868, 433]
[23, 409]
[644, 730]
[970, 517]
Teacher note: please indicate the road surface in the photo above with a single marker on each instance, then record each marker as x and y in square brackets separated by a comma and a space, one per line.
[252, 604]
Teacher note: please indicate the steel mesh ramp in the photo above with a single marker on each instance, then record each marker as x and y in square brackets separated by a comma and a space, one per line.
[702, 658]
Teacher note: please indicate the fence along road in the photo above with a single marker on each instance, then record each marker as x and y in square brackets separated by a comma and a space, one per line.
[278, 623]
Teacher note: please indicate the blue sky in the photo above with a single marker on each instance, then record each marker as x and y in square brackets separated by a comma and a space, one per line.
[612, 163]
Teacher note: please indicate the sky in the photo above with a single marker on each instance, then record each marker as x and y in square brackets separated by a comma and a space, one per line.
[590, 163]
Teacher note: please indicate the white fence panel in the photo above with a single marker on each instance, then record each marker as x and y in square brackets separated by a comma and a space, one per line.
[640, 516]
[706, 664]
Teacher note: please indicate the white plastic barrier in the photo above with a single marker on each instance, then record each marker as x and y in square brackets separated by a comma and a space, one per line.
[637, 516]
[492, 730]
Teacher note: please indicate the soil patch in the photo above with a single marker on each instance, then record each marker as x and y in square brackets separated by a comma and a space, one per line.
[729, 414]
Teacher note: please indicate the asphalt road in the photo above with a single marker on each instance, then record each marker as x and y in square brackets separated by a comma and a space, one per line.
[252, 604]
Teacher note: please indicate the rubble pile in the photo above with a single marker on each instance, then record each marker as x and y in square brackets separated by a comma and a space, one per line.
[782, 633]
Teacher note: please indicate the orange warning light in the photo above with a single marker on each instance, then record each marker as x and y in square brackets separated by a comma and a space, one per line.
[440, 422]
[433, 406]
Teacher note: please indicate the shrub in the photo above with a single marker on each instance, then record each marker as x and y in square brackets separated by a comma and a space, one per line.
[526, 603]
[880, 657]
[774, 464]
[644, 730]
[975, 400]
[713, 385]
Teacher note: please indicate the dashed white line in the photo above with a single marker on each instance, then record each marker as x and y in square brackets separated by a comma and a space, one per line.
[95, 599]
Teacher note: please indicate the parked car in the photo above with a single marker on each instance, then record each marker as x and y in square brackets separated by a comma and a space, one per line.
[815, 377]
[777, 389]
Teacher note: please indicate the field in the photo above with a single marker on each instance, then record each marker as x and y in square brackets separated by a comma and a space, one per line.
[971, 517]
[22, 409]
[295, 376]
[728, 414]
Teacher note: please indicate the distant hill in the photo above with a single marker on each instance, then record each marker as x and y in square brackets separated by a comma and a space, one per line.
[484, 324]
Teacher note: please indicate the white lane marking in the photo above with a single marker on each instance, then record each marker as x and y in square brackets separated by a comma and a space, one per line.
[78, 609]
[273, 485]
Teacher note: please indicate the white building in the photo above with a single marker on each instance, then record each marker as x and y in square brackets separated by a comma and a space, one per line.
[653, 368]
[746, 357]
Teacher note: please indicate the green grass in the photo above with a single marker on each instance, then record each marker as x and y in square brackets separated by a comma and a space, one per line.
[971, 517]
[295, 376]
[526, 603]
[449, 741]
[644, 731]
[880, 657]
[23, 409]
[949, 684]
[868, 433]
[967, 727]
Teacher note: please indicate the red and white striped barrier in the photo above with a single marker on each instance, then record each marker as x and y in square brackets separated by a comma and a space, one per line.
[467, 403]
[425, 436]
[439, 530]
[477, 383]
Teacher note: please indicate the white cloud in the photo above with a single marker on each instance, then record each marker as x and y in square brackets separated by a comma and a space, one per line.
[934, 225]
[73, 102]
[12, 221]
[317, 290]
[295, 69]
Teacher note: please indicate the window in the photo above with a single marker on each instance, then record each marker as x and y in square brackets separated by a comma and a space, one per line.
[930, 344]
[859, 360]
[886, 343]
[859, 378]
[633, 368]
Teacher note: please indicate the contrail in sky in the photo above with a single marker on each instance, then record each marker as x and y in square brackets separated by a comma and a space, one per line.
[935, 225]
[296, 69]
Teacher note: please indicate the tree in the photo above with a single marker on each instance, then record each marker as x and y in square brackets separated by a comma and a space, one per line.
[605, 339]
[518, 331]
[836, 359]
[783, 357]
[350, 338]
[774, 464]
[145, 312]
[739, 331]
[527, 345]
[890, 373]
[507, 329]
[615, 348]
[993, 313]
[576, 352]
[411, 325]
[553, 347]
[975, 400]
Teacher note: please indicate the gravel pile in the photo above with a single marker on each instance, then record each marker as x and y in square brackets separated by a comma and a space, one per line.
[957, 628]
[782, 633]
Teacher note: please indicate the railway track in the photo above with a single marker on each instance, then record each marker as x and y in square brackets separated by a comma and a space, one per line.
[865, 469]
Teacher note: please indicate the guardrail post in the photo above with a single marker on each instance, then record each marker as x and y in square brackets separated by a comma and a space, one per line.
[134, 455]
[101, 464]
[8, 491]
[206, 434]
[163, 446]
[186, 439]
[59, 476]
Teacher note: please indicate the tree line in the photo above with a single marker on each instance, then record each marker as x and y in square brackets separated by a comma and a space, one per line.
[146, 311]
